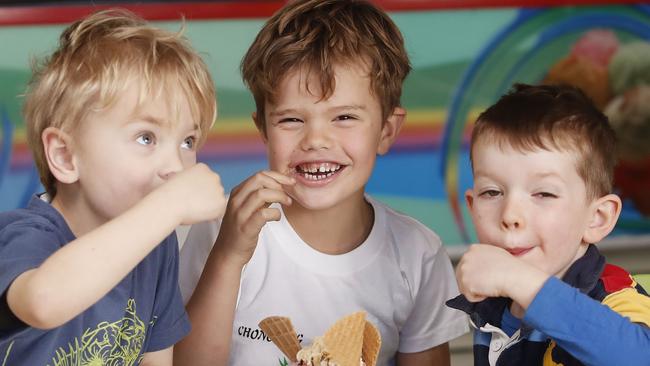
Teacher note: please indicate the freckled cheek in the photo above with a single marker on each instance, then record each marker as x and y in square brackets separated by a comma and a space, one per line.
[278, 159]
[486, 224]
[483, 216]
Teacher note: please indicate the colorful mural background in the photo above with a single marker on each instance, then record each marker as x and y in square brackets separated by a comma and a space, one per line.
[463, 59]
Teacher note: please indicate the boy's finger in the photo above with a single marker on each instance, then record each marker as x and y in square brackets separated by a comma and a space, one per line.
[268, 179]
[260, 218]
[280, 178]
[261, 180]
[261, 198]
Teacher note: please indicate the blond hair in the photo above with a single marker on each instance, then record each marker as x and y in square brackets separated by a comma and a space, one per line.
[96, 59]
[319, 34]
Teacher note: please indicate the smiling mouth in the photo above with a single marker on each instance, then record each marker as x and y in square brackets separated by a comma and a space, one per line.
[318, 171]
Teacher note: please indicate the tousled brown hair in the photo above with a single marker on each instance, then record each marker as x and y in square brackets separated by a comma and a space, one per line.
[96, 59]
[317, 35]
[553, 117]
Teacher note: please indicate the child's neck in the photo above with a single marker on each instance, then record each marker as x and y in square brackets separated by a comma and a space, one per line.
[336, 230]
[76, 214]
[517, 311]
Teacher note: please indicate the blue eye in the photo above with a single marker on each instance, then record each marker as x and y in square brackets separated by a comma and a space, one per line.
[145, 139]
[189, 143]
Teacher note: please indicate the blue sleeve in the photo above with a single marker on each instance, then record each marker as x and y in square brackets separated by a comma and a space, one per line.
[589, 330]
[23, 247]
[172, 322]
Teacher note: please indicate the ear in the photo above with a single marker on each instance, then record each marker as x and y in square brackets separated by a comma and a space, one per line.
[57, 146]
[260, 126]
[604, 214]
[390, 130]
[469, 198]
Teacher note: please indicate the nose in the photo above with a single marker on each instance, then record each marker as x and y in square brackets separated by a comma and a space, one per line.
[315, 136]
[512, 215]
[171, 163]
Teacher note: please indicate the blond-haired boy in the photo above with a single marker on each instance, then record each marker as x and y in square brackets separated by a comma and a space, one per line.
[542, 158]
[89, 270]
[326, 77]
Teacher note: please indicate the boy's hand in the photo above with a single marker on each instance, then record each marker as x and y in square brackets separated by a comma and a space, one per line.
[489, 271]
[196, 194]
[248, 210]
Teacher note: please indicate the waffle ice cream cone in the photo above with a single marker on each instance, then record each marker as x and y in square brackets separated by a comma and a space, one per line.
[371, 344]
[280, 330]
[351, 341]
[344, 340]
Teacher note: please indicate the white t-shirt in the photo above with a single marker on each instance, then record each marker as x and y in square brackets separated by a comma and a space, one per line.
[401, 276]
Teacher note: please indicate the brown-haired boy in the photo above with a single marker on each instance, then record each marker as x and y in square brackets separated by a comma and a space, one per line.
[326, 77]
[540, 292]
[89, 270]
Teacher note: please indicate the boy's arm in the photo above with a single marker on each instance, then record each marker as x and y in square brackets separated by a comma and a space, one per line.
[62, 287]
[589, 330]
[212, 306]
[436, 356]
[592, 332]
[159, 358]
[211, 310]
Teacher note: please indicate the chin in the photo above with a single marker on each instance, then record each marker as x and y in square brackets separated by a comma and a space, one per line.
[312, 205]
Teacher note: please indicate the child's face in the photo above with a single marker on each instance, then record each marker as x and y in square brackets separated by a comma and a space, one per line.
[329, 145]
[122, 154]
[533, 204]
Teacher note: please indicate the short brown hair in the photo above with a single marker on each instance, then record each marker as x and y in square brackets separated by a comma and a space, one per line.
[553, 116]
[96, 59]
[319, 34]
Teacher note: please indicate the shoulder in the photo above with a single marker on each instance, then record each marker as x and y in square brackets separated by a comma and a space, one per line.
[24, 221]
[622, 294]
[615, 278]
[406, 231]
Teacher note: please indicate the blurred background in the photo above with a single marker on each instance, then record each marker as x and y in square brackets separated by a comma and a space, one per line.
[465, 54]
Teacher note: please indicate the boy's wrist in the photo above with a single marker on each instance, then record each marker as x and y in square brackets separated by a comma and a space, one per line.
[228, 257]
[525, 284]
[150, 205]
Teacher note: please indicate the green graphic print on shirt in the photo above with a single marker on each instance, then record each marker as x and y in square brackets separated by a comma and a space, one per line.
[109, 344]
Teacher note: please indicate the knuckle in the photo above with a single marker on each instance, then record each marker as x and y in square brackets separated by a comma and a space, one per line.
[260, 194]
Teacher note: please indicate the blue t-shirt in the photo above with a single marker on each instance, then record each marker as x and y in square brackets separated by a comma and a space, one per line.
[143, 313]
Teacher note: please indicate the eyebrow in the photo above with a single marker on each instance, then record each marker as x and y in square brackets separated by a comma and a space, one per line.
[151, 119]
[352, 107]
[542, 175]
[283, 112]
[157, 121]
[538, 176]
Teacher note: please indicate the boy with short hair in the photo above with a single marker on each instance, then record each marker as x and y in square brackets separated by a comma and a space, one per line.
[540, 292]
[88, 271]
[326, 77]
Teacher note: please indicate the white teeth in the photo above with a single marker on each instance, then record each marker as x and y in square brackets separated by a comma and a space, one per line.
[319, 168]
[317, 171]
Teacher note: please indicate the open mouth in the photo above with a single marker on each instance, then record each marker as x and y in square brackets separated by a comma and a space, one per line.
[318, 171]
